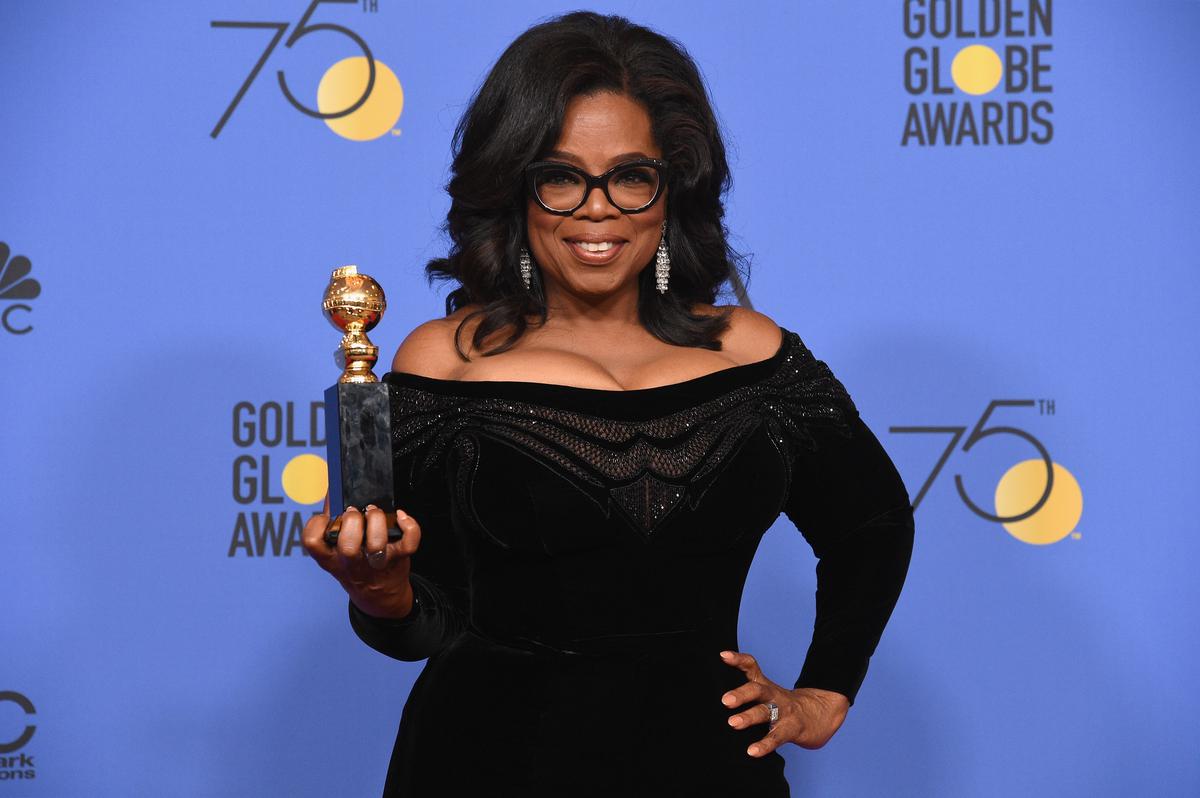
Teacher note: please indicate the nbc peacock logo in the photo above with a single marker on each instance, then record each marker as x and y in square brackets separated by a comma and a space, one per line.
[16, 288]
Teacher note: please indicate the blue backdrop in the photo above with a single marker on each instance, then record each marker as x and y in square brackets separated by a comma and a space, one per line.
[952, 210]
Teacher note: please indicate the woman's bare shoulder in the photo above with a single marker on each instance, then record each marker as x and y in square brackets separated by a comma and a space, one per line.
[751, 336]
[429, 349]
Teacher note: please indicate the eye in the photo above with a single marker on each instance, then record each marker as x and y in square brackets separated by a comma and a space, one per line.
[557, 177]
[636, 176]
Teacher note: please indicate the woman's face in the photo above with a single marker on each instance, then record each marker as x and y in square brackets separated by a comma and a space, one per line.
[599, 131]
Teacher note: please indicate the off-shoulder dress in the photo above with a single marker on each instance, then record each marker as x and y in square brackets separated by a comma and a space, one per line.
[581, 566]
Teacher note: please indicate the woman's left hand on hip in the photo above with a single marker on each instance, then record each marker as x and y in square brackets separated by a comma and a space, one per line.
[808, 716]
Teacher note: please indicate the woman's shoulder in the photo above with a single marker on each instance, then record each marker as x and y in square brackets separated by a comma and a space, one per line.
[431, 349]
[428, 350]
[750, 337]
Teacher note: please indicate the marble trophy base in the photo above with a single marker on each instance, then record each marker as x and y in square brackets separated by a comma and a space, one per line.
[358, 433]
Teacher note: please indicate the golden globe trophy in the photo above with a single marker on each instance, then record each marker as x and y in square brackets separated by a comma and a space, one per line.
[358, 420]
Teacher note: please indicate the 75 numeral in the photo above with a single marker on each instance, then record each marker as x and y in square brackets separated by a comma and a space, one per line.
[301, 30]
[978, 433]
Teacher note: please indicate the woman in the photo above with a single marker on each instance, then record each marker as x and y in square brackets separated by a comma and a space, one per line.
[584, 484]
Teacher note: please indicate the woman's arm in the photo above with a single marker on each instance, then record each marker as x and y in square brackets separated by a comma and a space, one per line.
[439, 594]
[851, 506]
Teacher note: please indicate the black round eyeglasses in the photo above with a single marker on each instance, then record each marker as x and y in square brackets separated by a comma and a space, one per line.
[631, 187]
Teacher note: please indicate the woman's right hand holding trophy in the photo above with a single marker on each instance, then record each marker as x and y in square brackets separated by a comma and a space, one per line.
[375, 575]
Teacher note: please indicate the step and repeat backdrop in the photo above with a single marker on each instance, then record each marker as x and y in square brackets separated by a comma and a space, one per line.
[981, 213]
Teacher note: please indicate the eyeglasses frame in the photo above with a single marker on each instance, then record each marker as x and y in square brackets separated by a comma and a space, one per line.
[601, 181]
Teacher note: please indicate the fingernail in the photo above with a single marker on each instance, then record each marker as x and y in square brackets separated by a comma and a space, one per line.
[752, 750]
[726, 654]
[371, 507]
[401, 514]
[726, 700]
[352, 509]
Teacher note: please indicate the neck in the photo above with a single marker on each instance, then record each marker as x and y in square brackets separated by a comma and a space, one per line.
[595, 312]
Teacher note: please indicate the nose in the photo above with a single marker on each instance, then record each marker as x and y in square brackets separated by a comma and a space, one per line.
[596, 206]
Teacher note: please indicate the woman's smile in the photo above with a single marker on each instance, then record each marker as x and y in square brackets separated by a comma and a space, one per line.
[596, 253]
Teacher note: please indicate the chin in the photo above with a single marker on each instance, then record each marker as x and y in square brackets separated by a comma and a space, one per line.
[598, 281]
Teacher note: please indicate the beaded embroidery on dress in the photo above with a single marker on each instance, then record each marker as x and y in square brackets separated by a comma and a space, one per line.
[645, 468]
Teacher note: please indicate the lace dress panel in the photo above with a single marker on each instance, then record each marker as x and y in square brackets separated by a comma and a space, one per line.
[646, 467]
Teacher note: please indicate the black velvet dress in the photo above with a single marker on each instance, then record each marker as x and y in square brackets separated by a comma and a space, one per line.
[581, 566]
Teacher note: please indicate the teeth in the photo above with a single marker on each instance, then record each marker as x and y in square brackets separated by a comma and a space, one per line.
[603, 246]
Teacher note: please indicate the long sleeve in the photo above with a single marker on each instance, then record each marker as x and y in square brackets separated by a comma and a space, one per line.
[848, 500]
[422, 489]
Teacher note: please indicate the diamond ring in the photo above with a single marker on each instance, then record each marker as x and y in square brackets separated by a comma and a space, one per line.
[774, 710]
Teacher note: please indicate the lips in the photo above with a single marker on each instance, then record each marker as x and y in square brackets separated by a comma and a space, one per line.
[595, 250]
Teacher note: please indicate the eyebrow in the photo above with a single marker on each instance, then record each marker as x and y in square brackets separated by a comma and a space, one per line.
[625, 156]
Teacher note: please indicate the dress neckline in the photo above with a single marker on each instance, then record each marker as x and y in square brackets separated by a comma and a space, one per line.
[693, 388]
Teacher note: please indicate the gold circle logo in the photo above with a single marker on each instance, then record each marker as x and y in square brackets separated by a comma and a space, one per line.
[1021, 487]
[306, 479]
[342, 85]
[976, 69]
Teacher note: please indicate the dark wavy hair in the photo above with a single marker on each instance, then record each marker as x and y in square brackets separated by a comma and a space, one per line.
[516, 115]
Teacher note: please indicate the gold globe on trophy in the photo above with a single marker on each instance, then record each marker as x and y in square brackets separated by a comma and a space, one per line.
[354, 303]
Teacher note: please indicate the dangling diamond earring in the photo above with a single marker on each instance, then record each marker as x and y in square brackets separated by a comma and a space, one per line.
[662, 262]
[526, 266]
